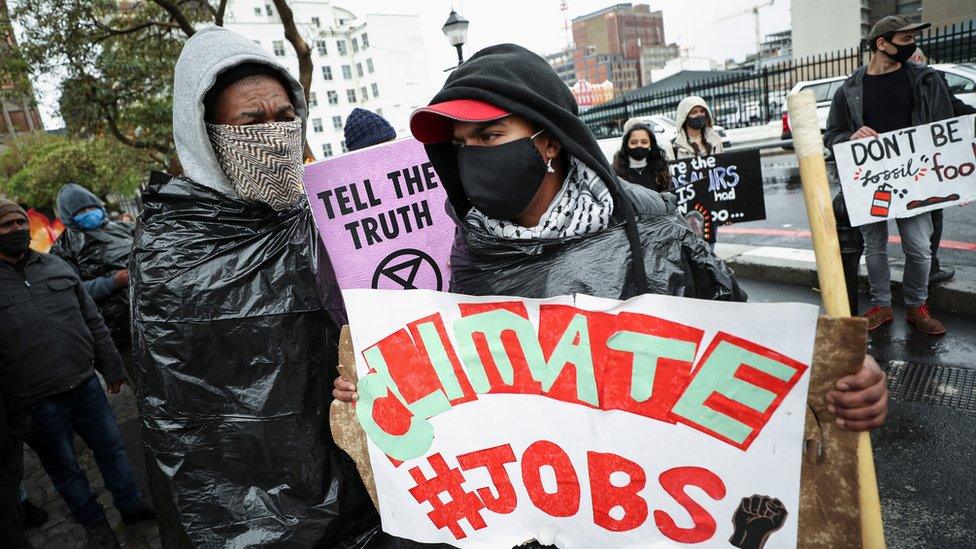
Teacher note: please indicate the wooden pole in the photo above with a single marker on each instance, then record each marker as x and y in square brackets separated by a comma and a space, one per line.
[808, 143]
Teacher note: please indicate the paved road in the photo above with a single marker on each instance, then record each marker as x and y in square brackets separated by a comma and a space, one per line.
[923, 453]
[786, 218]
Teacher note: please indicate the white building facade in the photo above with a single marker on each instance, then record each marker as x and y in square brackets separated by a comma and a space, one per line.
[824, 26]
[375, 62]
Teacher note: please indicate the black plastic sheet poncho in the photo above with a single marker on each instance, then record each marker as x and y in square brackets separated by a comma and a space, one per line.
[676, 262]
[234, 354]
[97, 253]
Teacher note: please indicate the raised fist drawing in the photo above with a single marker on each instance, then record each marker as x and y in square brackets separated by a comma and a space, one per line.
[756, 518]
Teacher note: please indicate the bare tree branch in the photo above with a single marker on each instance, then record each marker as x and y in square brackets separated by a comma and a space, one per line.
[302, 50]
[219, 17]
[178, 16]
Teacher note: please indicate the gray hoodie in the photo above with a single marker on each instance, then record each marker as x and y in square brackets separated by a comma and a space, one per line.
[205, 55]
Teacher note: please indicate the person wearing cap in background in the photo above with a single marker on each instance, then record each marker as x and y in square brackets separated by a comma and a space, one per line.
[98, 249]
[365, 129]
[51, 329]
[541, 213]
[888, 94]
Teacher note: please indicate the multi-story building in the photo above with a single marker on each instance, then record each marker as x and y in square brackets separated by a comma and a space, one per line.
[376, 62]
[655, 57]
[562, 63]
[18, 113]
[823, 26]
[610, 42]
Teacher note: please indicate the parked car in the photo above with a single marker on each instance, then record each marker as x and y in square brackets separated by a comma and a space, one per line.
[961, 78]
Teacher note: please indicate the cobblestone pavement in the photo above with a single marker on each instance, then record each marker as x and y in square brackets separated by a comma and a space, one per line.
[60, 532]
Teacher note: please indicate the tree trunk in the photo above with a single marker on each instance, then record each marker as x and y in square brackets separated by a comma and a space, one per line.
[302, 50]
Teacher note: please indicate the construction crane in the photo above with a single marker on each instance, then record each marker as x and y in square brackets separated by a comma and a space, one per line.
[567, 28]
[754, 10]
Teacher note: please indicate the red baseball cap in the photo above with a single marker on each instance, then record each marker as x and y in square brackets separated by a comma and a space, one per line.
[435, 123]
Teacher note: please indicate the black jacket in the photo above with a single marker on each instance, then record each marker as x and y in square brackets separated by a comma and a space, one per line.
[14, 405]
[96, 254]
[932, 102]
[50, 326]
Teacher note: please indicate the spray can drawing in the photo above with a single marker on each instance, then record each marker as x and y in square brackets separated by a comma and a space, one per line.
[881, 201]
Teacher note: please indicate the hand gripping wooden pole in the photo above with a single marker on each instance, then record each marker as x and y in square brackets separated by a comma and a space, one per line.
[808, 143]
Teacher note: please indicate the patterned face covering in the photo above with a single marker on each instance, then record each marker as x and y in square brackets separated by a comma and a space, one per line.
[263, 161]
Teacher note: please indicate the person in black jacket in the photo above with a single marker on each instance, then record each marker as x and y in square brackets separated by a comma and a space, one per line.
[640, 159]
[98, 249]
[51, 328]
[14, 429]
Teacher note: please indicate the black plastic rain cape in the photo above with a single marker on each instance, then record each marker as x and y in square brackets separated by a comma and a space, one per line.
[676, 262]
[234, 353]
[97, 253]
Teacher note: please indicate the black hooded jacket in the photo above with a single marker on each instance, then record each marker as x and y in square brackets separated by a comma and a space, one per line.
[646, 249]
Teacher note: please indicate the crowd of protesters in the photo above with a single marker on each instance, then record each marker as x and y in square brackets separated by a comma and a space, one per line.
[219, 305]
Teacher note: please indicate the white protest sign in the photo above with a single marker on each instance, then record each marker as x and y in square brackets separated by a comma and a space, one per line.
[583, 422]
[908, 172]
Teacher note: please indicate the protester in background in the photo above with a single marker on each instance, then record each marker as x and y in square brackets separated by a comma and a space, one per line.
[937, 274]
[98, 249]
[51, 329]
[640, 160]
[696, 133]
[126, 217]
[519, 165]
[885, 95]
[365, 129]
[14, 430]
[232, 343]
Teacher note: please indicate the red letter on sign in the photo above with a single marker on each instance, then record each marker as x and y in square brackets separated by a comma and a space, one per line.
[674, 482]
[606, 495]
[564, 502]
[494, 460]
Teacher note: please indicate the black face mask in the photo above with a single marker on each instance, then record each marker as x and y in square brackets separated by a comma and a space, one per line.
[903, 52]
[697, 122]
[15, 243]
[502, 180]
[638, 153]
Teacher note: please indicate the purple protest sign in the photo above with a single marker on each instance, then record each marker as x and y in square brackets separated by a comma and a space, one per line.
[380, 212]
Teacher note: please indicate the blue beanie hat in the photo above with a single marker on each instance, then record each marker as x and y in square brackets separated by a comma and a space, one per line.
[365, 128]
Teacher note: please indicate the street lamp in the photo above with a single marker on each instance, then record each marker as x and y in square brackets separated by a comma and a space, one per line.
[456, 31]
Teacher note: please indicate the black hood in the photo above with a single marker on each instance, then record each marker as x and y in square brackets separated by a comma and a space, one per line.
[521, 82]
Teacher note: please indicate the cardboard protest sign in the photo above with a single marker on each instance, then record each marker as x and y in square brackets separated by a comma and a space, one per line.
[583, 422]
[908, 172]
[722, 188]
[381, 214]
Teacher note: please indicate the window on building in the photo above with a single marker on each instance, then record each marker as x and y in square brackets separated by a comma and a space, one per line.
[341, 46]
[19, 121]
[317, 125]
[337, 122]
[365, 40]
[279, 47]
[316, 21]
[346, 72]
[359, 69]
[343, 145]
[267, 8]
[333, 98]
[327, 72]
[351, 95]
[369, 65]
[313, 100]
[376, 90]
[322, 48]
[257, 11]
[355, 45]
[363, 94]
[327, 150]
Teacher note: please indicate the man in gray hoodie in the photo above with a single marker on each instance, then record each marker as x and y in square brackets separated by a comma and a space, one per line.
[232, 344]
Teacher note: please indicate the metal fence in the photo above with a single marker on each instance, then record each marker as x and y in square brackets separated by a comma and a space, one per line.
[751, 98]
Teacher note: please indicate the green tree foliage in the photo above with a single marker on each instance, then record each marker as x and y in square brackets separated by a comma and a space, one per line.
[34, 166]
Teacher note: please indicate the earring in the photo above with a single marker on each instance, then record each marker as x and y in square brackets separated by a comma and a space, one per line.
[549, 167]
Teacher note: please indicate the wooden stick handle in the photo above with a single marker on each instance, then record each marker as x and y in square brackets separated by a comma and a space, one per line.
[808, 143]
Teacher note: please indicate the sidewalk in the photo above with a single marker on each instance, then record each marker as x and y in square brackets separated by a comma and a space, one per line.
[799, 266]
[60, 532]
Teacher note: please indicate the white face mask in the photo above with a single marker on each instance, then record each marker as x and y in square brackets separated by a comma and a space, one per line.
[263, 161]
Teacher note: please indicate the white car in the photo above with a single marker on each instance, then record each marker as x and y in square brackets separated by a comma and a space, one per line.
[961, 78]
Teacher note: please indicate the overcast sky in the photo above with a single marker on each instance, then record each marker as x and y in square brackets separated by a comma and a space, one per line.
[538, 24]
